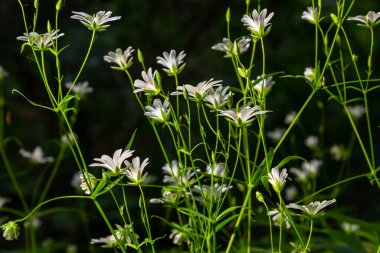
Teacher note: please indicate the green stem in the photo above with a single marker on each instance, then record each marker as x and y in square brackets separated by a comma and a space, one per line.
[308, 240]
[146, 218]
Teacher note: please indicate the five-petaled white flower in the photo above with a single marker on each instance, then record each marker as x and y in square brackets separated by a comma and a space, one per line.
[88, 182]
[227, 46]
[310, 75]
[211, 194]
[135, 170]
[177, 176]
[123, 60]
[81, 89]
[276, 134]
[311, 141]
[279, 218]
[356, 111]
[178, 236]
[150, 86]
[159, 112]
[258, 23]
[95, 22]
[263, 85]
[369, 20]
[113, 164]
[290, 117]
[217, 169]
[171, 62]
[217, 99]
[311, 15]
[11, 231]
[277, 179]
[243, 117]
[123, 234]
[40, 41]
[313, 209]
[37, 156]
[198, 92]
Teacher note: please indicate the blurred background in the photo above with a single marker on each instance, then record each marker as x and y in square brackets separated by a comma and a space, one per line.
[109, 116]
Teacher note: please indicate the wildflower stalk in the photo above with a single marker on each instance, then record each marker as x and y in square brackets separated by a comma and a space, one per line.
[145, 219]
[309, 238]
[57, 62]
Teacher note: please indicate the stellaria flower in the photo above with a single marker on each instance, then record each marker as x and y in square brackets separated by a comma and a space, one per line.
[171, 62]
[369, 20]
[243, 117]
[356, 111]
[11, 231]
[311, 141]
[290, 117]
[68, 138]
[263, 85]
[3, 201]
[37, 156]
[226, 46]
[123, 234]
[113, 164]
[123, 60]
[301, 175]
[209, 193]
[81, 89]
[217, 169]
[311, 15]
[308, 169]
[86, 180]
[150, 86]
[338, 152]
[277, 179]
[198, 92]
[3, 73]
[290, 192]
[217, 99]
[168, 196]
[177, 176]
[40, 41]
[258, 23]
[276, 134]
[279, 218]
[135, 170]
[179, 236]
[314, 209]
[349, 227]
[95, 22]
[159, 112]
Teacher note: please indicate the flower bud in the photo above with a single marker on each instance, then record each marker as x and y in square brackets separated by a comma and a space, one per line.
[58, 5]
[260, 197]
[140, 56]
[36, 4]
[334, 18]
[11, 231]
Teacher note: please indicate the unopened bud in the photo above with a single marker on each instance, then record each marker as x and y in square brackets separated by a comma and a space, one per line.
[260, 197]
[11, 231]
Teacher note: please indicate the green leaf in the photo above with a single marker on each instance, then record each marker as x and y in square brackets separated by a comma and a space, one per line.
[31, 102]
[224, 222]
[288, 159]
[227, 211]
[129, 145]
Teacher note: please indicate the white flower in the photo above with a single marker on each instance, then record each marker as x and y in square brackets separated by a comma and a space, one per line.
[263, 85]
[279, 218]
[87, 180]
[40, 41]
[172, 62]
[217, 99]
[276, 134]
[176, 176]
[338, 152]
[226, 46]
[76, 180]
[311, 167]
[33, 222]
[369, 20]
[311, 141]
[291, 193]
[109, 241]
[311, 15]
[95, 22]
[349, 227]
[198, 92]
[178, 236]
[123, 234]
[66, 139]
[168, 196]
[211, 193]
[314, 209]
[277, 179]
[216, 169]
[159, 112]
[356, 111]
[149, 85]
[301, 175]
[37, 156]
[113, 164]
[135, 170]
[81, 89]
[3, 73]
[257, 24]
[243, 117]
[11, 231]
[123, 60]
[290, 117]
[3, 201]
[310, 75]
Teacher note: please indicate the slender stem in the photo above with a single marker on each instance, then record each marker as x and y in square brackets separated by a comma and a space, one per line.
[308, 240]
[146, 218]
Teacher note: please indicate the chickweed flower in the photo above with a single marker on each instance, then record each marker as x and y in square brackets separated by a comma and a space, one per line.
[314, 209]
[338, 152]
[277, 179]
[113, 164]
[291, 193]
[290, 117]
[211, 194]
[349, 227]
[311, 15]
[217, 99]
[95, 22]
[226, 46]
[177, 176]
[81, 89]
[40, 41]
[135, 170]
[11, 231]
[369, 20]
[87, 182]
[171, 62]
[150, 85]
[159, 112]
[199, 92]
[311, 167]
[301, 175]
[312, 141]
[276, 134]
[356, 111]
[263, 85]
[243, 117]
[279, 218]
[3, 201]
[179, 237]
[37, 156]
[123, 60]
[216, 169]
[258, 24]
[123, 234]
